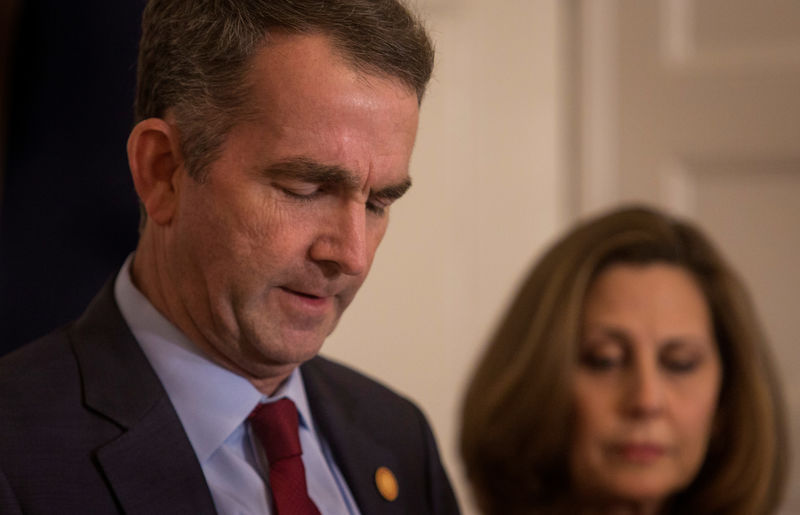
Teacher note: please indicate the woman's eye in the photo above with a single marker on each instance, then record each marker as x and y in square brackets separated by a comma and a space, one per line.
[681, 358]
[600, 362]
[680, 365]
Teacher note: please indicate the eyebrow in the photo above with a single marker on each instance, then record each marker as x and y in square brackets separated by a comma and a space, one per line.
[306, 170]
[622, 337]
[613, 333]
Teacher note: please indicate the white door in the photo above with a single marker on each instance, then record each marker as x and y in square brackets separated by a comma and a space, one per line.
[694, 105]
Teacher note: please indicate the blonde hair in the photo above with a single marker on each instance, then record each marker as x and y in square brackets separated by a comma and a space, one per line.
[517, 412]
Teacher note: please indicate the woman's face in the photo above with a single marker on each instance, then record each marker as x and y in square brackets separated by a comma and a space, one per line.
[645, 386]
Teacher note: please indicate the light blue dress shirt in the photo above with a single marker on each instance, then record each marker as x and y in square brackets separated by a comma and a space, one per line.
[213, 404]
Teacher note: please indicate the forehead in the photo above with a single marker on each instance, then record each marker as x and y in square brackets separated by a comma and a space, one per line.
[307, 99]
[659, 294]
[293, 69]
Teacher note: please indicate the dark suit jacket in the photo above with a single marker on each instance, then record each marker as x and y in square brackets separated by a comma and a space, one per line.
[86, 427]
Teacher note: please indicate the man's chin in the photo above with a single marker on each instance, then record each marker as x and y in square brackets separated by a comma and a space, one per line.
[295, 346]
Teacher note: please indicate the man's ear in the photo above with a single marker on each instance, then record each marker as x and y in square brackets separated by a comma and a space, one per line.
[155, 159]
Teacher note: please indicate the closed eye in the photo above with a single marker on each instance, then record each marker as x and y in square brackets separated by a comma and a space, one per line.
[379, 201]
[604, 349]
[680, 366]
[309, 193]
[378, 206]
[682, 356]
[599, 363]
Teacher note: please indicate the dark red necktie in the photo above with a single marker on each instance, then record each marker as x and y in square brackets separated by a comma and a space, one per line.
[275, 424]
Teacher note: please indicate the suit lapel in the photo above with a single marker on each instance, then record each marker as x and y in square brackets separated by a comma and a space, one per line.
[151, 467]
[358, 455]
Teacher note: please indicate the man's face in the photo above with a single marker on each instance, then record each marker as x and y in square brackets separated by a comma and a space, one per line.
[269, 250]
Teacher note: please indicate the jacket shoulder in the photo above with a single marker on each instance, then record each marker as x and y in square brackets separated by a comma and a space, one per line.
[40, 369]
[366, 422]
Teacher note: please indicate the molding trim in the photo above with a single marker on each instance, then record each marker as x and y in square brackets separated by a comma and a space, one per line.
[597, 127]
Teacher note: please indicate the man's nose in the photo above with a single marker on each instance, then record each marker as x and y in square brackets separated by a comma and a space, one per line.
[342, 240]
[645, 394]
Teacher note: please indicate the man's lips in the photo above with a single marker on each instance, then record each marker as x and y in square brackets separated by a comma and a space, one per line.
[308, 294]
[315, 299]
[302, 294]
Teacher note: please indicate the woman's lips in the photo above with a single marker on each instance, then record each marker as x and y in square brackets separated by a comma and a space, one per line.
[642, 453]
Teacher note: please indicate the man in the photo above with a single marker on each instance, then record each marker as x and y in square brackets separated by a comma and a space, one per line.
[273, 137]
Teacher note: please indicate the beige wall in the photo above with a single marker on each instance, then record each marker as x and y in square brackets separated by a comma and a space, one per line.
[489, 190]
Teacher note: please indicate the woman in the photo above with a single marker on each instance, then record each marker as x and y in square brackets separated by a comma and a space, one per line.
[629, 375]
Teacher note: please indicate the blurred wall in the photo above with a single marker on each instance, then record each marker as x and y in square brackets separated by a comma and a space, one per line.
[68, 212]
[489, 190]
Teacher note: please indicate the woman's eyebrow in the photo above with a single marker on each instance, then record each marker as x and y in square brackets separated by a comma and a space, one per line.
[613, 333]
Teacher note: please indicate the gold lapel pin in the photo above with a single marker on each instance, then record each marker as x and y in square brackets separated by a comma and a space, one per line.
[386, 483]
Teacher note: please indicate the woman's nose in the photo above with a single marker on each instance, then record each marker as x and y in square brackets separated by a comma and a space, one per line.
[645, 396]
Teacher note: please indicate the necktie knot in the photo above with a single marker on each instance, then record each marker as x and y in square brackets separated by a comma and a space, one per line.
[276, 425]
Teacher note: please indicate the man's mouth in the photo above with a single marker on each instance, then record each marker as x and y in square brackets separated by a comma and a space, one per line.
[302, 294]
[312, 296]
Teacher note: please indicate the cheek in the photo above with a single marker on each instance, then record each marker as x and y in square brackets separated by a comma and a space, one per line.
[259, 227]
[594, 406]
[257, 214]
[585, 454]
[696, 403]
[696, 417]
[593, 421]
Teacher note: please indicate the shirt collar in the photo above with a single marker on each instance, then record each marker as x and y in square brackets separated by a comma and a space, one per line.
[211, 401]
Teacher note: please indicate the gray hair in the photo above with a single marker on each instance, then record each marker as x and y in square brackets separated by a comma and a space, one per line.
[194, 55]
